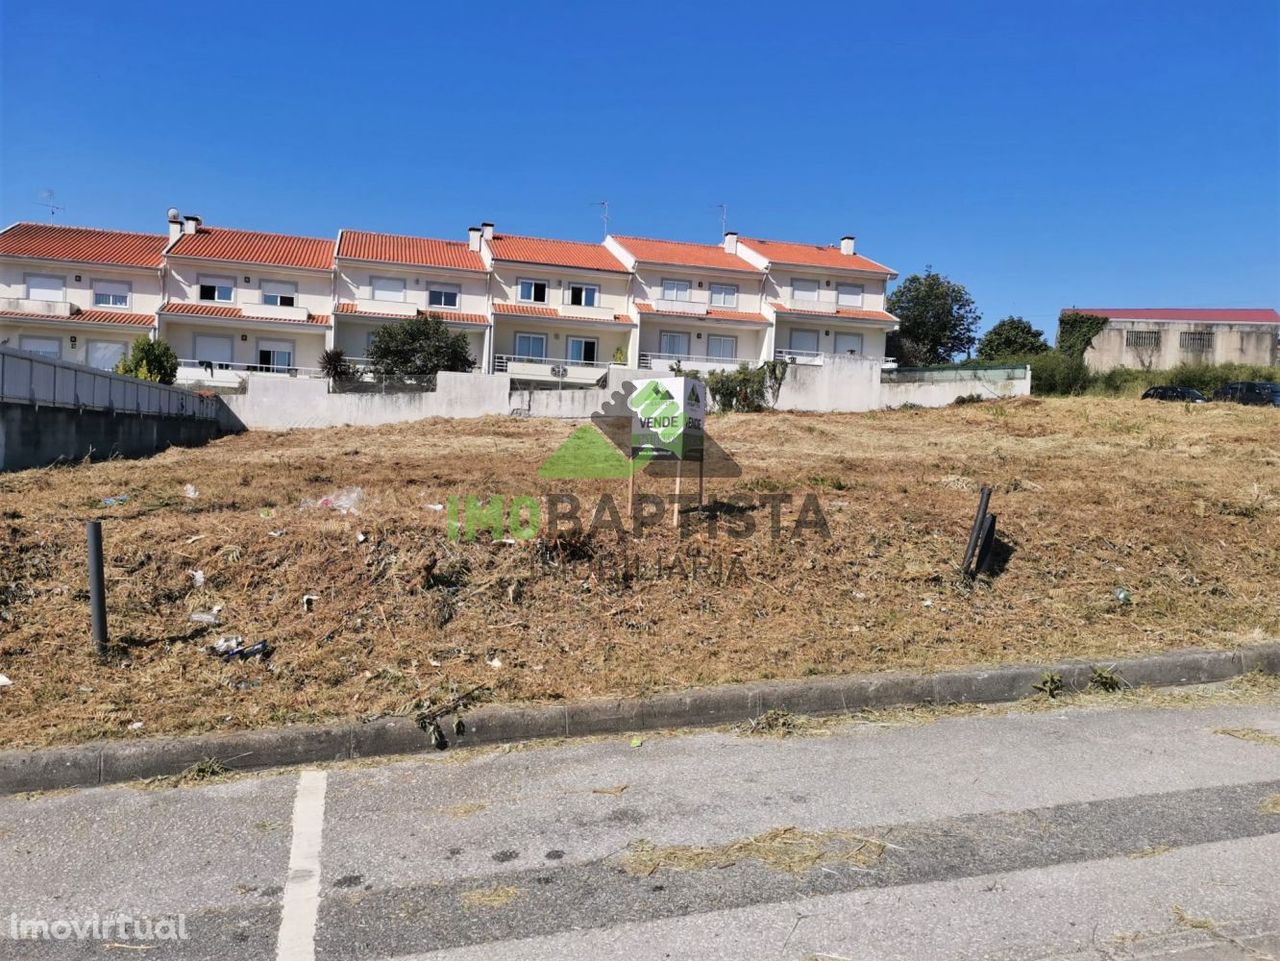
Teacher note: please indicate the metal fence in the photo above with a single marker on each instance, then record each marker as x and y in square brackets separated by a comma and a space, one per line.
[942, 375]
[27, 378]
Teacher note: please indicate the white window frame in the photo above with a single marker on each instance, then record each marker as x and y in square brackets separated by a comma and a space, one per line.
[90, 344]
[62, 287]
[257, 354]
[401, 290]
[220, 364]
[854, 291]
[800, 285]
[688, 339]
[730, 338]
[568, 348]
[106, 282]
[216, 281]
[444, 290]
[728, 294]
[533, 336]
[533, 290]
[677, 290]
[292, 293]
[26, 339]
[595, 294]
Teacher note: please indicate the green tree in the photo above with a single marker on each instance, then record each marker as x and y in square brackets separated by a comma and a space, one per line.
[1011, 337]
[150, 360]
[938, 319]
[418, 346]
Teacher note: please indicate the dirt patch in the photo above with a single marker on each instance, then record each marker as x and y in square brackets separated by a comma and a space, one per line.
[1250, 734]
[782, 849]
[378, 612]
[495, 897]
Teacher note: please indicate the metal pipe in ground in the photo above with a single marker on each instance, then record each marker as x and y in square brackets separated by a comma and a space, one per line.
[97, 588]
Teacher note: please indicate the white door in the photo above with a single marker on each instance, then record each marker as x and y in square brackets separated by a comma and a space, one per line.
[848, 343]
[211, 349]
[806, 340]
[673, 342]
[582, 350]
[105, 354]
[45, 346]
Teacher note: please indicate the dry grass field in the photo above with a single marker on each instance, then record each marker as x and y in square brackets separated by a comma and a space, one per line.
[1179, 506]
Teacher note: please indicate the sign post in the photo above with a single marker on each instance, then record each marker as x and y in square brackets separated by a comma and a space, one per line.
[667, 420]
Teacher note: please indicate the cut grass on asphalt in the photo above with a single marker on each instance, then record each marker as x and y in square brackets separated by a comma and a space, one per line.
[374, 612]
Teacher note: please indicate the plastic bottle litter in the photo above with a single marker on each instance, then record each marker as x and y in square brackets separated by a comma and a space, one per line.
[198, 577]
[228, 643]
[1123, 596]
[345, 501]
[435, 507]
[190, 492]
[5, 682]
[279, 533]
[113, 501]
[308, 602]
[244, 653]
[136, 726]
[210, 617]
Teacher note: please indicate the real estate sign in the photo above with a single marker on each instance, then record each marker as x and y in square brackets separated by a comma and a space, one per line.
[667, 418]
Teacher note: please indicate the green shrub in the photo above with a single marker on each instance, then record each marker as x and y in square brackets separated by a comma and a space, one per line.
[1206, 378]
[1054, 372]
[150, 360]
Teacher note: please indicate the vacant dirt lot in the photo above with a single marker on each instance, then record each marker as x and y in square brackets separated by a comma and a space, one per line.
[1178, 506]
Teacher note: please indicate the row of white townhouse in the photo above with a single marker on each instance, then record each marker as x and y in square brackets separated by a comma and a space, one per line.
[554, 311]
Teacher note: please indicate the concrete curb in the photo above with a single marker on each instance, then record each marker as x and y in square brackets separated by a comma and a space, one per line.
[108, 762]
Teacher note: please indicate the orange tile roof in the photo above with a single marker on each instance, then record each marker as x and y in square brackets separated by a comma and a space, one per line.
[711, 314]
[847, 313]
[410, 251]
[109, 317]
[533, 310]
[554, 253]
[192, 308]
[255, 247]
[448, 316]
[85, 245]
[683, 254]
[813, 255]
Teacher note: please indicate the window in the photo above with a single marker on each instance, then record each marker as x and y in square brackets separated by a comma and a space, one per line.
[673, 342]
[583, 295]
[1196, 340]
[675, 289]
[849, 295]
[805, 340]
[111, 293]
[212, 349]
[848, 343]
[275, 355]
[531, 346]
[104, 354]
[583, 350]
[721, 346]
[724, 295]
[44, 346]
[803, 289]
[279, 293]
[220, 289]
[1142, 339]
[533, 291]
[44, 287]
[387, 288]
[443, 295]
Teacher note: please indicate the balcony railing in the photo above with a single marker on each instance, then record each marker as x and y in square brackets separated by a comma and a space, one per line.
[696, 308]
[813, 306]
[220, 372]
[251, 305]
[663, 361]
[818, 357]
[51, 308]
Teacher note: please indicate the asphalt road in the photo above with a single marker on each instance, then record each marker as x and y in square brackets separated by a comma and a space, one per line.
[1128, 833]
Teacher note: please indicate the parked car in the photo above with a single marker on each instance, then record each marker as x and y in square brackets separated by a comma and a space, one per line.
[1186, 394]
[1258, 392]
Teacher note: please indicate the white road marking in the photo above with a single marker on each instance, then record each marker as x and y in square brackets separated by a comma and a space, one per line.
[297, 940]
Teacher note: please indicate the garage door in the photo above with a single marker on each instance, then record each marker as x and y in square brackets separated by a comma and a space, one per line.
[213, 350]
[105, 354]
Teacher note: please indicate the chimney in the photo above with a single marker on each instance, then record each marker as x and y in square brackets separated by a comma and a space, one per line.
[175, 224]
[473, 239]
[191, 223]
[486, 230]
[730, 241]
[846, 245]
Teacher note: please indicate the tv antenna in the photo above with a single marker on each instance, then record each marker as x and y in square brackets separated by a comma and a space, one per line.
[724, 218]
[604, 214]
[47, 200]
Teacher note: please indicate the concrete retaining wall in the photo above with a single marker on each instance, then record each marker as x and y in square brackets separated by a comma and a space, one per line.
[33, 436]
[942, 387]
[840, 383]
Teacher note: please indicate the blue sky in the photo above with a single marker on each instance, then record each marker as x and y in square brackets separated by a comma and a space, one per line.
[1044, 155]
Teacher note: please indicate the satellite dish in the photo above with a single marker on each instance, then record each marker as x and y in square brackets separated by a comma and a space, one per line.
[174, 214]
